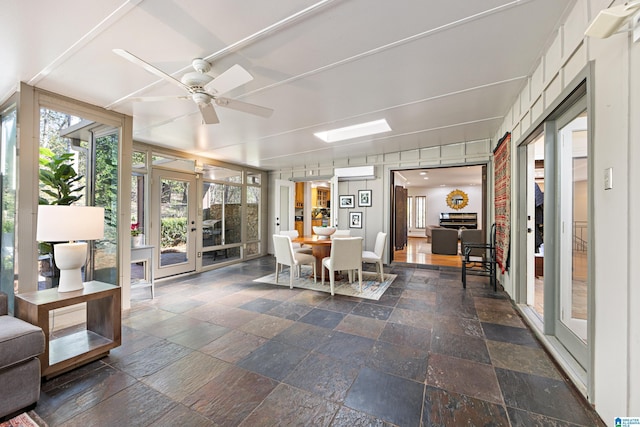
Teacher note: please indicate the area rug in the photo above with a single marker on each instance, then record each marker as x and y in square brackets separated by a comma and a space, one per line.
[371, 286]
[22, 420]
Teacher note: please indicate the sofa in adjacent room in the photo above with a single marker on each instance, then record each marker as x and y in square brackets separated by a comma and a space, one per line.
[20, 345]
[429, 229]
[444, 241]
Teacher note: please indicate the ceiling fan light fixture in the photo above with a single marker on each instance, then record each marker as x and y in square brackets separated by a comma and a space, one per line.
[354, 131]
[201, 98]
[203, 88]
[196, 79]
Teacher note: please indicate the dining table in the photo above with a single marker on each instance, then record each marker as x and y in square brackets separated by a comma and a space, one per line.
[320, 248]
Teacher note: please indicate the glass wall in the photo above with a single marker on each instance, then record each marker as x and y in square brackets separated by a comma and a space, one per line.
[79, 166]
[222, 222]
[105, 194]
[8, 172]
[229, 221]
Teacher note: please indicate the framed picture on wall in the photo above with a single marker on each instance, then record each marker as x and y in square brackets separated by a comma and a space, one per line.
[364, 198]
[355, 219]
[347, 202]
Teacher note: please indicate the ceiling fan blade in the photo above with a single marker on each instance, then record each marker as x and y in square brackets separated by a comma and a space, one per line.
[229, 80]
[156, 98]
[150, 68]
[209, 114]
[244, 107]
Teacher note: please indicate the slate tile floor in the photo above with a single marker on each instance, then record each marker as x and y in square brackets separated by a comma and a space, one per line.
[220, 349]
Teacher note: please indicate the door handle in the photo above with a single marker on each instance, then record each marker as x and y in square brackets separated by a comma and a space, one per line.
[193, 229]
[529, 230]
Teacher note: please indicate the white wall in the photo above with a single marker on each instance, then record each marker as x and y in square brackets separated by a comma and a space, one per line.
[437, 203]
[377, 217]
[616, 247]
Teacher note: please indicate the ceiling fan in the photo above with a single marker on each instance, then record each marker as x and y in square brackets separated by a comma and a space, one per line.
[202, 88]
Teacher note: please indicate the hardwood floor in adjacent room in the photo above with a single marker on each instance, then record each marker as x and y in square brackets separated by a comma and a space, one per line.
[418, 251]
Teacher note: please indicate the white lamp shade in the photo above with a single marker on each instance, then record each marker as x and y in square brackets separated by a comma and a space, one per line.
[58, 223]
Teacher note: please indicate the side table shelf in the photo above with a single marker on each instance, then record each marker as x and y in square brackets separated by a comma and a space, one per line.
[103, 331]
[144, 254]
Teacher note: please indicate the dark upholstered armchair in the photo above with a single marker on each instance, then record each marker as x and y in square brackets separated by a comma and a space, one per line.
[444, 241]
[20, 345]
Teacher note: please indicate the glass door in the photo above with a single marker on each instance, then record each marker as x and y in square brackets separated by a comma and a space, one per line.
[573, 159]
[174, 228]
[555, 169]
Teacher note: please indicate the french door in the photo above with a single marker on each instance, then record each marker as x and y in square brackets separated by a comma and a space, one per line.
[173, 201]
[573, 227]
[558, 227]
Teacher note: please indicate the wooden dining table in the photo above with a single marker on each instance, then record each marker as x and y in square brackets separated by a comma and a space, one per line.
[320, 248]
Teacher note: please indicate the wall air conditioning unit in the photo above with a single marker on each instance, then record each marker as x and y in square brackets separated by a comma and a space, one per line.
[358, 173]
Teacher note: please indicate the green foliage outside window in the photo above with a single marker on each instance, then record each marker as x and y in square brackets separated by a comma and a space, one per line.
[174, 232]
[60, 184]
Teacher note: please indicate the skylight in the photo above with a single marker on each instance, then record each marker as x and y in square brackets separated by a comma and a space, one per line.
[355, 131]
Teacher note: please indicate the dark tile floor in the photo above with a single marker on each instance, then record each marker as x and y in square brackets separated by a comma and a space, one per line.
[220, 349]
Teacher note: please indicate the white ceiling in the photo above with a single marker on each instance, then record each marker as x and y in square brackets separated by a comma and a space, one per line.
[439, 71]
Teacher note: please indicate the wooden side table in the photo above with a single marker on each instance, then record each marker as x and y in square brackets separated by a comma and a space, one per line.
[103, 330]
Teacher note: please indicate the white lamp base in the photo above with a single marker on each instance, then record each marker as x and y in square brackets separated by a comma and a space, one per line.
[69, 258]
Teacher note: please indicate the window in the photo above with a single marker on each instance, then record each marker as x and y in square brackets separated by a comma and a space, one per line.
[87, 152]
[410, 212]
[8, 181]
[421, 211]
[253, 222]
[222, 213]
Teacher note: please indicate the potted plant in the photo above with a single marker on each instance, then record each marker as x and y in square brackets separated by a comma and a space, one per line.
[137, 238]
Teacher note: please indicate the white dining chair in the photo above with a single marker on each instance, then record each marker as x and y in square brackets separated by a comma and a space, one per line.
[297, 247]
[286, 256]
[341, 233]
[346, 254]
[377, 254]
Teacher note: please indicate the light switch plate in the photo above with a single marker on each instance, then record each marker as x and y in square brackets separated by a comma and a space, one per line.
[608, 178]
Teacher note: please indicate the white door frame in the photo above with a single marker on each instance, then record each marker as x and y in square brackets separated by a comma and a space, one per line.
[192, 231]
[284, 201]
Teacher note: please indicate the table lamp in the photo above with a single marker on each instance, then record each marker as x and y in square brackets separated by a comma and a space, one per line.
[58, 223]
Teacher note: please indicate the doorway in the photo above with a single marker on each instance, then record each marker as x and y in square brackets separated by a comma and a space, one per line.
[173, 208]
[443, 197]
[301, 205]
